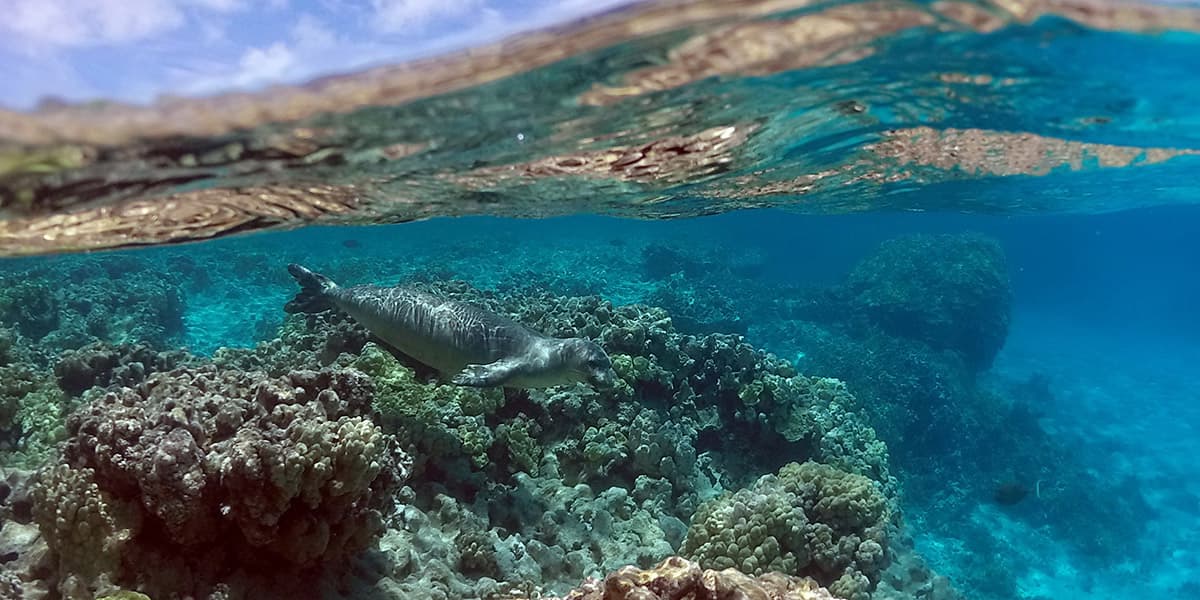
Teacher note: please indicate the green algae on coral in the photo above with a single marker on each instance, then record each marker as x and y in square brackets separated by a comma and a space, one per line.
[32, 414]
[441, 420]
[124, 595]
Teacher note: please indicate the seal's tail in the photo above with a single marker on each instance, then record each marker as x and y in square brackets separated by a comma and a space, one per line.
[314, 291]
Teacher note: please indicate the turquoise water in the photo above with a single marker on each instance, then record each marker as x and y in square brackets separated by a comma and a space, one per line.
[948, 272]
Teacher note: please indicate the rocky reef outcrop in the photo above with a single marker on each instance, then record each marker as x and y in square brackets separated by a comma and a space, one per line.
[171, 486]
[949, 291]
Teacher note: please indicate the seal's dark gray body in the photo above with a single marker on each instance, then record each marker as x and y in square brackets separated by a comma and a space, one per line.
[469, 345]
[442, 334]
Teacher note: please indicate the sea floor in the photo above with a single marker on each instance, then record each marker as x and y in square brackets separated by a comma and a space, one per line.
[1129, 401]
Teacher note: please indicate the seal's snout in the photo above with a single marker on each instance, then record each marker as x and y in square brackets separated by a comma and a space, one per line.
[605, 378]
[593, 363]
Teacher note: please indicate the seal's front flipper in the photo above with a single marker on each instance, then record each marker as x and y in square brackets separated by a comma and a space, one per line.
[489, 375]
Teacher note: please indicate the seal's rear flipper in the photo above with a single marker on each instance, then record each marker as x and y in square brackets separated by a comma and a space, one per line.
[313, 296]
[489, 375]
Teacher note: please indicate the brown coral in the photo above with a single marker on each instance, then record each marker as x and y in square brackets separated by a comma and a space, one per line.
[677, 577]
[86, 527]
[670, 159]
[838, 35]
[810, 519]
[979, 152]
[221, 465]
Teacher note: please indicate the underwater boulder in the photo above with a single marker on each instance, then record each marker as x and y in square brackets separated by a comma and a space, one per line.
[949, 291]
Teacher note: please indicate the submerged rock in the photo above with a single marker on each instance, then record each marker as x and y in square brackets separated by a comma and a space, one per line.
[949, 291]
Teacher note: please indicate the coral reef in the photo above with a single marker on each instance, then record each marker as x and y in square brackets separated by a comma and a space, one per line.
[221, 476]
[551, 486]
[113, 298]
[10, 345]
[85, 527]
[445, 422]
[24, 568]
[691, 392]
[31, 306]
[538, 533]
[696, 307]
[662, 260]
[71, 324]
[100, 365]
[908, 331]
[916, 397]
[511, 491]
[673, 385]
[304, 341]
[909, 576]
[809, 519]
[200, 471]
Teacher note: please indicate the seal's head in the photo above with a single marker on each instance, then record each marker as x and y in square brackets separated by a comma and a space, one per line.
[587, 360]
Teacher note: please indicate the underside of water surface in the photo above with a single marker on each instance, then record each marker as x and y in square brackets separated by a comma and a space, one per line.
[660, 110]
[898, 299]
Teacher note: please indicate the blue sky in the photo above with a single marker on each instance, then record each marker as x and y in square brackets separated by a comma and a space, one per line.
[135, 50]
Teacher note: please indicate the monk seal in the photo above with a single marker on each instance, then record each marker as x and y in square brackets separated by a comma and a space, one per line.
[469, 345]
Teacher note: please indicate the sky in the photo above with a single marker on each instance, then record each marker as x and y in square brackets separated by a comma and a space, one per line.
[137, 50]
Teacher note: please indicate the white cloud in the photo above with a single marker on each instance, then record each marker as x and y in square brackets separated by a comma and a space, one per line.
[42, 23]
[211, 31]
[47, 24]
[264, 65]
[310, 33]
[200, 46]
[411, 16]
[313, 48]
[222, 6]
